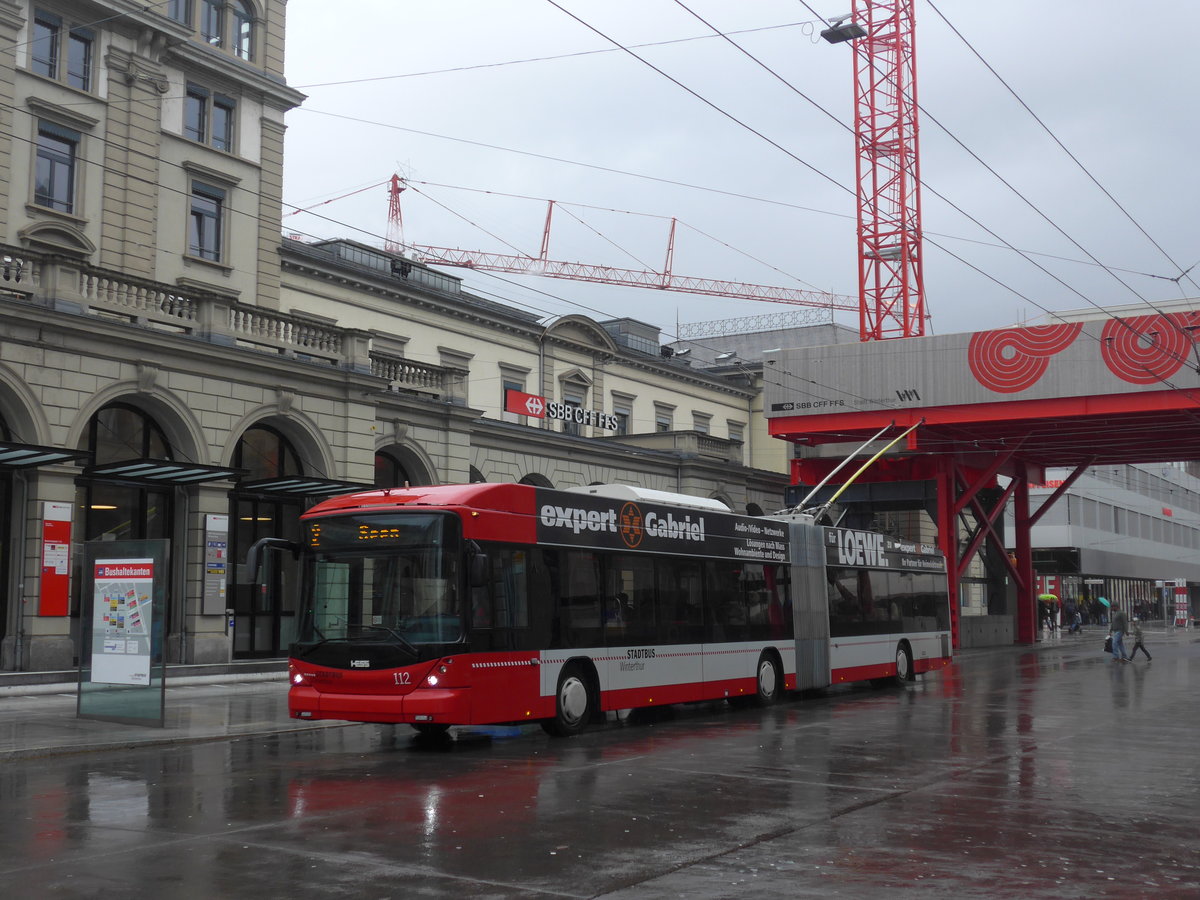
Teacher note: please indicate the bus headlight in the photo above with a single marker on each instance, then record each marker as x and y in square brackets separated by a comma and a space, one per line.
[431, 681]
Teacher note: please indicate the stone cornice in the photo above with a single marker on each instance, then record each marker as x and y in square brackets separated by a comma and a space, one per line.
[12, 14]
[199, 58]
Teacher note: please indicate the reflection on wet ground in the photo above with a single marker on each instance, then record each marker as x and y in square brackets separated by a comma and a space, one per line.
[1042, 773]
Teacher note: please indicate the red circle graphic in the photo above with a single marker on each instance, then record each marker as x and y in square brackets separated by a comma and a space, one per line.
[1144, 349]
[1013, 359]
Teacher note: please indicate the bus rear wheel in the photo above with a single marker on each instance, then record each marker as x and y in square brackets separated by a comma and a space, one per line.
[904, 664]
[769, 683]
[573, 703]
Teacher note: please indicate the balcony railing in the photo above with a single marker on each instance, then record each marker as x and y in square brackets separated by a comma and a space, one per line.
[70, 286]
[686, 443]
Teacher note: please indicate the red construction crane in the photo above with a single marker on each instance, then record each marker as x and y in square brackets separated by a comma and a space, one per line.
[890, 282]
[541, 264]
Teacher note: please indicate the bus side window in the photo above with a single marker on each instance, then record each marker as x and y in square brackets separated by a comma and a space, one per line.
[681, 597]
[579, 598]
[631, 607]
[724, 603]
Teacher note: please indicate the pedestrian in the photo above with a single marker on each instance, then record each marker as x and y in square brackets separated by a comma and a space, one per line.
[1076, 622]
[1136, 631]
[1117, 629]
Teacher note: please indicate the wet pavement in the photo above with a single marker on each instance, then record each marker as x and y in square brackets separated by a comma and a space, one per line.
[1018, 772]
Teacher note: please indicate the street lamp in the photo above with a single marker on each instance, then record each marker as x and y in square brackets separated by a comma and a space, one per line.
[840, 30]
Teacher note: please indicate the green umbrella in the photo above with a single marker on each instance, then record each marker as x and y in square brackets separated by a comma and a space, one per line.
[1105, 602]
[1049, 597]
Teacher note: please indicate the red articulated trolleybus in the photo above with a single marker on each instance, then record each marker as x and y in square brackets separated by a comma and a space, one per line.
[507, 603]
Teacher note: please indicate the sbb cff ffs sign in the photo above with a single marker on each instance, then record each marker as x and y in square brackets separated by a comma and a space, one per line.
[539, 408]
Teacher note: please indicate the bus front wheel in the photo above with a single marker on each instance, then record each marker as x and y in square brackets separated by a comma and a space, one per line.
[904, 664]
[573, 705]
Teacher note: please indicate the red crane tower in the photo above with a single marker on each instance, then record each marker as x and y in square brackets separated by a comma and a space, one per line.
[888, 175]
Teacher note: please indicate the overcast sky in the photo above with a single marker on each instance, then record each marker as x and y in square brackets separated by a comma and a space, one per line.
[444, 93]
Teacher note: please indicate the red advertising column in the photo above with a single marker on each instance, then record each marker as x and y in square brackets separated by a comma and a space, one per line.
[1181, 603]
[54, 598]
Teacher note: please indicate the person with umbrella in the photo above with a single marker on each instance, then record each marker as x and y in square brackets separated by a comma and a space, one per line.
[1119, 624]
[1049, 610]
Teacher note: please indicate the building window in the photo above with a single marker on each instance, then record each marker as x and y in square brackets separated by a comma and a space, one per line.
[573, 401]
[701, 423]
[208, 118]
[664, 417]
[205, 225]
[624, 416]
[228, 24]
[390, 472]
[509, 384]
[47, 53]
[622, 409]
[47, 30]
[54, 178]
[195, 114]
[736, 432]
[242, 29]
[180, 11]
[210, 21]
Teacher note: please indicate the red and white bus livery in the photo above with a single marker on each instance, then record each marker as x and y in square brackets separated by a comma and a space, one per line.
[501, 603]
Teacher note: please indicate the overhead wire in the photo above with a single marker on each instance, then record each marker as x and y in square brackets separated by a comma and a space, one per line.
[536, 59]
[1182, 272]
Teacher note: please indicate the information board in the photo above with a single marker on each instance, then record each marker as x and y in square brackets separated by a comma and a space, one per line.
[122, 675]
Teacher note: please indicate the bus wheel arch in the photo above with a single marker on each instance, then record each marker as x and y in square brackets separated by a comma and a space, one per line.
[576, 699]
[904, 664]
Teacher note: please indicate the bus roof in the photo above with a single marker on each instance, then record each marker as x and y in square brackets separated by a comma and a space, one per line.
[647, 495]
[482, 495]
[501, 496]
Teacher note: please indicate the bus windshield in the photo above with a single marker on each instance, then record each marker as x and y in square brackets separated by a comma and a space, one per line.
[385, 577]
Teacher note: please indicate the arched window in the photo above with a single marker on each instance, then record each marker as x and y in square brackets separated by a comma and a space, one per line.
[264, 620]
[228, 24]
[266, 453]
[390, 472]
[120, 431]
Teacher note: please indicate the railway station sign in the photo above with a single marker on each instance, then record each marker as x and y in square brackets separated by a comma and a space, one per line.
[538, 407]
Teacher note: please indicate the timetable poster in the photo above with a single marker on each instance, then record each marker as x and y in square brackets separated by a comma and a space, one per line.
[121, 621]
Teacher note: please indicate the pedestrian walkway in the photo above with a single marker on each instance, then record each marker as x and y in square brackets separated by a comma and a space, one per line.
[43, 720]
[39, 718]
